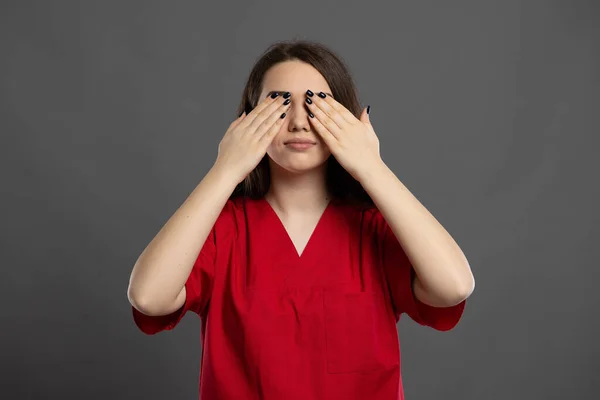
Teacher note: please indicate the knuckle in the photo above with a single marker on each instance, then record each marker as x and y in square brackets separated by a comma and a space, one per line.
[255, 124]
[267, 123]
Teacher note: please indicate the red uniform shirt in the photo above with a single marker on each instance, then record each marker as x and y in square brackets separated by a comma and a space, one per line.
[322, 325]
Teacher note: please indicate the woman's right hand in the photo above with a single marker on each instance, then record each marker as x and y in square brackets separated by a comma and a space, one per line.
[246, 141]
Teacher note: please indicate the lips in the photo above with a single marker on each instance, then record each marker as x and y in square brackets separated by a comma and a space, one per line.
[300, 141]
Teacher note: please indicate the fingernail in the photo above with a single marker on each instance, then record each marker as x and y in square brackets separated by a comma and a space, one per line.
[282, 115]
[322, 95]
[311, 115]
[309, 101]
[274, 95]
[368, 109]
[286, 95]
[311, 94]
[285, 103]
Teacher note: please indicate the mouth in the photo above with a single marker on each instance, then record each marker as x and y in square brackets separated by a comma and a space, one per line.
[300, 141]
[299, 144]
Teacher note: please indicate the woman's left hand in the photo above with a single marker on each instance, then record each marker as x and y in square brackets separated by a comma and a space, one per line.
[352, 141]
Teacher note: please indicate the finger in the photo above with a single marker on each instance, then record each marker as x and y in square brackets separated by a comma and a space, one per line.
[275, 118]
[268, 111]
[336, 111]
[329, 111]
[267, 102]
[337, 106]
[236, 121]
[329, 138]
[365, 117]
[274, 129]
[323, 118]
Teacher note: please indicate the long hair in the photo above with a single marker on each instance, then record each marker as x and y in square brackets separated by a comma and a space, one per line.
[340, 183]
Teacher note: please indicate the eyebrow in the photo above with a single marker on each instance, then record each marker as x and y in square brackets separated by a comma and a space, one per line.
[283, 91]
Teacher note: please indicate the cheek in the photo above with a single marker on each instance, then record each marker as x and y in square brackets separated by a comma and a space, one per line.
[323, 149]
[276, 144]
[273, 147]
[278, 137]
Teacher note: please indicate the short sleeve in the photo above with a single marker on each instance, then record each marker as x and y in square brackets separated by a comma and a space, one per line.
[198, 288]
[399, 275]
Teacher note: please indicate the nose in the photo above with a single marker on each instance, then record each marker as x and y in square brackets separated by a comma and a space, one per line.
[298, 115]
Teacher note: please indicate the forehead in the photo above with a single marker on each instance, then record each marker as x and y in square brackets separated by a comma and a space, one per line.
[294, 76]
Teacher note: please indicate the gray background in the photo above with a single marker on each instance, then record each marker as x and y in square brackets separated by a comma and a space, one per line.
[111, 113]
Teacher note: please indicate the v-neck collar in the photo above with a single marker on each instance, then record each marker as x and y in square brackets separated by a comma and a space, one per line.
[288, 239]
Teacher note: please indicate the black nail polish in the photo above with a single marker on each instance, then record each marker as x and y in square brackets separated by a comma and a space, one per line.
[285, 103]
[286, 95]
[322, 95]
[309, 101]
[274, 95]
[283, 116]
[368, 109]
[311, 115]
[311, 94]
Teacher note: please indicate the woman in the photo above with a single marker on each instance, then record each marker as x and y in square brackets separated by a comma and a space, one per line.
[300, 248]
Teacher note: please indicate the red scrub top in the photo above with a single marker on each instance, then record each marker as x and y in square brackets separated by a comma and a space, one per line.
[322, 325]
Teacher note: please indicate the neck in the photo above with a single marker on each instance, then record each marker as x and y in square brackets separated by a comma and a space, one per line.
[289, 191]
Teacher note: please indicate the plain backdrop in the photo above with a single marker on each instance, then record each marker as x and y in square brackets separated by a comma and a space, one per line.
[112, 111]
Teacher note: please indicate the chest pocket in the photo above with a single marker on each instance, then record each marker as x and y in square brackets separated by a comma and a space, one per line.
[361, 332]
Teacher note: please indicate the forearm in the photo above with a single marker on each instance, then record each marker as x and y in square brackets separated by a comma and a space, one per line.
[160, 273]
[443, 274]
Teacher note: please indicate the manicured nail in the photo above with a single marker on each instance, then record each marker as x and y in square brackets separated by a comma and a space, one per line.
[311, 115]
[282, 115]
[286, 95]
[309, 101]
[274, 95]
[322, 95]
[368, 109]
[311, 94]
[285, 103]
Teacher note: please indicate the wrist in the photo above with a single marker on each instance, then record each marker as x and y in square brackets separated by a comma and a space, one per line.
[224, 176]
[372, 172]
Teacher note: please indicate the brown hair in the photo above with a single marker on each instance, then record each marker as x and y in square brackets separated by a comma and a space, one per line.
[340, 183]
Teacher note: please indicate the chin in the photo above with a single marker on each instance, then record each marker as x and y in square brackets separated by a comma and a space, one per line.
[298, 165]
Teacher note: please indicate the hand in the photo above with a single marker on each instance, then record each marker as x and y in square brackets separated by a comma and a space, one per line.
[246, 141]
[352, 141]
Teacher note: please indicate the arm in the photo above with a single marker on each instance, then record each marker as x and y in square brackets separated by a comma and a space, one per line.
[443, 277]
[157, 283]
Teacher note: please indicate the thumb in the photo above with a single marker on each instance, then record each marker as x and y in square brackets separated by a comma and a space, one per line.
[364, 116]
[239, 119]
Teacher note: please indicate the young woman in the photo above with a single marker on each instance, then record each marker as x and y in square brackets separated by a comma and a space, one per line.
[300, 248]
